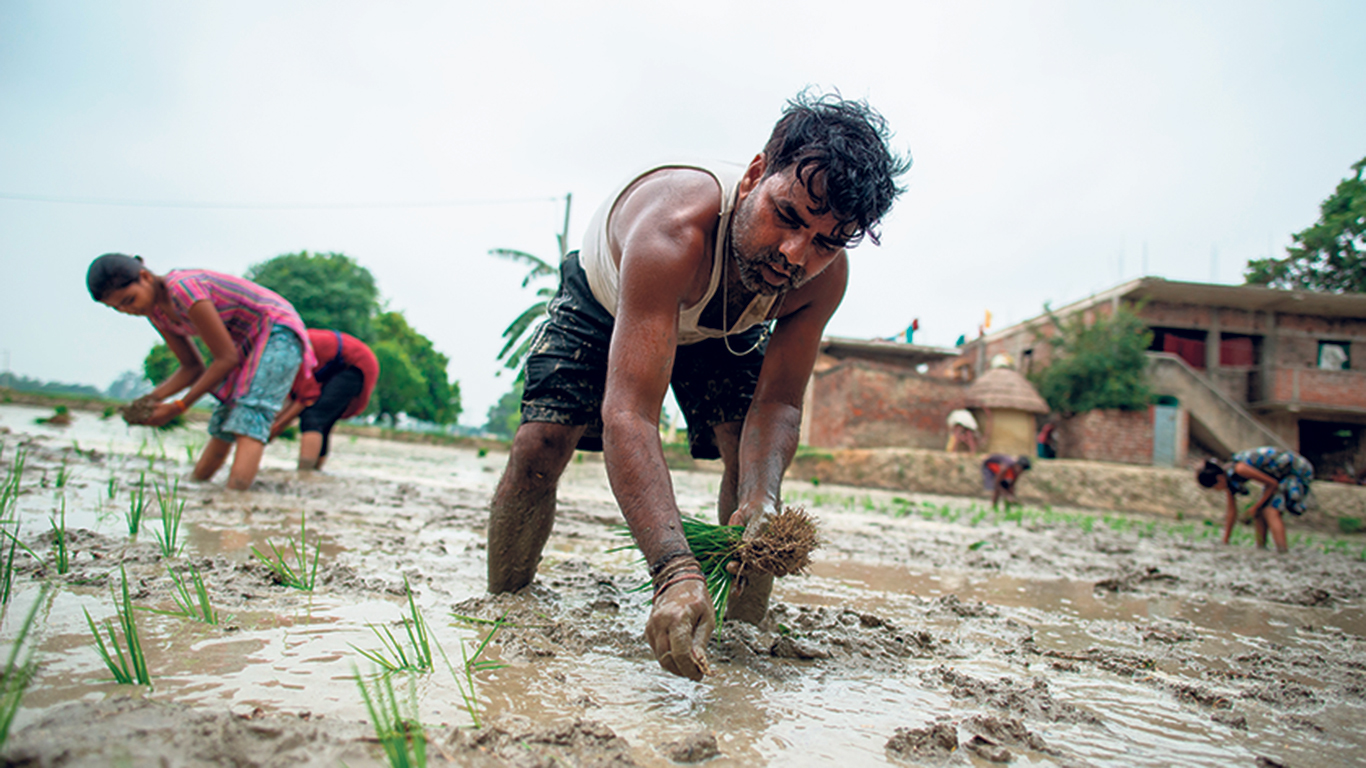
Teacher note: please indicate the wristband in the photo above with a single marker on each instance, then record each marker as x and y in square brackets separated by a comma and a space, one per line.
[685, 576]
[181, 405]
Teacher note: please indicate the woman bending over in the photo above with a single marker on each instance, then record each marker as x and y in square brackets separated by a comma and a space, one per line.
[259, 346]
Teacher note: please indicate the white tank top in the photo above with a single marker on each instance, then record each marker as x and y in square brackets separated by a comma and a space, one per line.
[604, 276]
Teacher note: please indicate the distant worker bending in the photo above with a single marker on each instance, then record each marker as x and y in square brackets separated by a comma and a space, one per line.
[1285, 477]
[347, 371]
[1000, 475]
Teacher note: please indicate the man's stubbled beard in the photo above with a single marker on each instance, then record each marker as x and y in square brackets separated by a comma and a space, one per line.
[748, 265]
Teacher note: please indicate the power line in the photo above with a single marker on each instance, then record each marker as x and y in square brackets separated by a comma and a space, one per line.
[270, 206]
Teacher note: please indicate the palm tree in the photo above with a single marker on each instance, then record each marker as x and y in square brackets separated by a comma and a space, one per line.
[516, 334]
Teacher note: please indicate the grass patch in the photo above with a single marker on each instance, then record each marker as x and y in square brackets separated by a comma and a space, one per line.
[19, 671]
[300, 575]
[394, 656]
[125, 660]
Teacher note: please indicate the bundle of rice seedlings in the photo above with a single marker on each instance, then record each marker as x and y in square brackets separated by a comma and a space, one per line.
[782, 548]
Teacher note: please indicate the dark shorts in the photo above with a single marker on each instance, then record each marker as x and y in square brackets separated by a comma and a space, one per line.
[566, 371]
[338, 392]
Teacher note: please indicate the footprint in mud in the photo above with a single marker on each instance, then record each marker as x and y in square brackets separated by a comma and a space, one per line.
[1032, 700]
[517, 741]
[988, 738]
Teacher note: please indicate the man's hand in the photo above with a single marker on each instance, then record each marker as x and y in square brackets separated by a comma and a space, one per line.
[753, 517]
[682, 619]
[680, 625]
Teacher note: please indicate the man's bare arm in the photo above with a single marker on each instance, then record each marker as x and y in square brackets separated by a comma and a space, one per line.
[773, 425]
[663, 230]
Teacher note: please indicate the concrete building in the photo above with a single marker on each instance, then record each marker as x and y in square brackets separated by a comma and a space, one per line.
[1236, 366]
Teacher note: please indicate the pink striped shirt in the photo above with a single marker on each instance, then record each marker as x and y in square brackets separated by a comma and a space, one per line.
[249, 312]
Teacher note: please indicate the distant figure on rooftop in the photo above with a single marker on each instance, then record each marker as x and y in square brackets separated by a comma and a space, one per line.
[1285, 477]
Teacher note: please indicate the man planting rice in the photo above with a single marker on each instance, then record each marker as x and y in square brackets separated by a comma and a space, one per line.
[718, 280]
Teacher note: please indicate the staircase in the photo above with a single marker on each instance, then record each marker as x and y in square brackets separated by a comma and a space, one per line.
[1216, 420]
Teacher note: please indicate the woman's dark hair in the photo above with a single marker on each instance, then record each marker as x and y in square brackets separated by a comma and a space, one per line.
[110, 272]
[843, 146]
[1209, 474]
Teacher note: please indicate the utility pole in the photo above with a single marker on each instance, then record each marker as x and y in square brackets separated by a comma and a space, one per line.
[563, 237]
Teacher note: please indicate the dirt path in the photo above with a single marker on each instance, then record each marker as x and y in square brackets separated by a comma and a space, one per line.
[930, 631]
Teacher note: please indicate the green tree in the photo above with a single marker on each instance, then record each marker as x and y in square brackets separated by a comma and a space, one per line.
[1331, 254]
[517, 334]
[439, 398]
[1101, 365]
[400, 386]
[506, 414]
[329, 290]
[161, 362]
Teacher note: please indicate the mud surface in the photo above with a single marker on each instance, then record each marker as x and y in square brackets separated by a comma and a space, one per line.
[930, 631]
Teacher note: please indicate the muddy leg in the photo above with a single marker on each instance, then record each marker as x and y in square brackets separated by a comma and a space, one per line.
[215, 453]
[1259, 526]
[310, 450]
[523, 508]
[750, 603]
[246, 460]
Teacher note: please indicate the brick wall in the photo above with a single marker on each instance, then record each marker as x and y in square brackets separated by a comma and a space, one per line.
[1125, 437]
[863, 404]
[1310, 385]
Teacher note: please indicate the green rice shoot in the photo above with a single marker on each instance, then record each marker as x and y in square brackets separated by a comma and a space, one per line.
[402, 737]
[299, 575]
[20, 668]
[394, 656]
[125, 660]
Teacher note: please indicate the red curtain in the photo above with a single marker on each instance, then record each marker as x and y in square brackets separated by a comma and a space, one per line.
[1190, 350]
[1236, 351]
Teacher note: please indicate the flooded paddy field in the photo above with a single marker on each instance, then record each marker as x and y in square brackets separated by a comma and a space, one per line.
[930, 631]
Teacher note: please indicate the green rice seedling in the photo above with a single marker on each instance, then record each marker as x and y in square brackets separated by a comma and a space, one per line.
[137, 504]
[189, 606]
[129, 667]
[298, 576]
[783, 548]
[14, 476]
[63, 475]
[61, 552]
[401, 737]
[172, 508]
[19, 670]
[7, 568]
[394, 657]
[112, 488]
[471, 665]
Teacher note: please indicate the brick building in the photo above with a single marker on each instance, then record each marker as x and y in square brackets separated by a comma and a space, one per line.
[1236, 366]
[866, 394]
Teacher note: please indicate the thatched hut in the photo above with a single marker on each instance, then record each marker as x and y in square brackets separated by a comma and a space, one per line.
[1005, 403]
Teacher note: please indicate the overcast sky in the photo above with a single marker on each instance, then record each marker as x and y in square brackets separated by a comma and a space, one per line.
[1054, 144]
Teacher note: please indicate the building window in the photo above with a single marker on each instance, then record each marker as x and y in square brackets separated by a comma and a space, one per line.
[1334, 356]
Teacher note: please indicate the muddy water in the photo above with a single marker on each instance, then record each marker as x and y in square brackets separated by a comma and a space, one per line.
[994, 632]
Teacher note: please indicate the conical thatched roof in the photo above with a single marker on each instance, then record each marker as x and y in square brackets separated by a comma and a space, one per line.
[1005, 388]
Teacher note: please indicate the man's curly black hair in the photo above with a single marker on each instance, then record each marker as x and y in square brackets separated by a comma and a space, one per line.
[840, 145]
